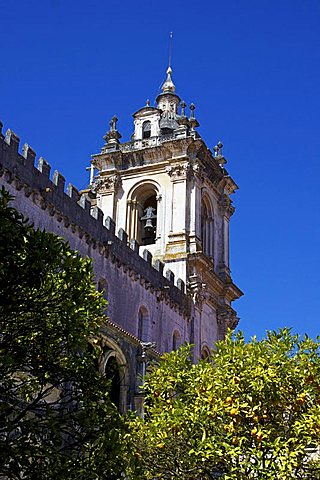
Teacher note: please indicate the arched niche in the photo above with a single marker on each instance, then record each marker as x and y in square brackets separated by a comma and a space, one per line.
[176, 340]
[103, 287]
[205, 353]
[144, 326]
[142, 213]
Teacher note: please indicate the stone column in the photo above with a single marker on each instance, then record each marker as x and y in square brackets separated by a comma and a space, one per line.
[133, 219]
[207, 238]
[129, 219]
[194, 190]
[177, 236]
[159, 216]
[226, 210]
[211, 236]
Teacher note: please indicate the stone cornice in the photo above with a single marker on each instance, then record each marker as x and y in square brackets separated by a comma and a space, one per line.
[216, 287]
[230, 185]
[148, 155]
[225, 206]
[232, 292]
[204, 164]
[227, 318]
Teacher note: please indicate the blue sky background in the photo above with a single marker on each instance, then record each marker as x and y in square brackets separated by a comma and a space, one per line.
[252, 69]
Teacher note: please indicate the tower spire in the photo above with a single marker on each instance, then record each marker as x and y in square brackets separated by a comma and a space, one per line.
[169, 86]
[170, 49]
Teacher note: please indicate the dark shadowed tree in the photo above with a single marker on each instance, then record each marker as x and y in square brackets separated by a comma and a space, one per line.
[56, 418]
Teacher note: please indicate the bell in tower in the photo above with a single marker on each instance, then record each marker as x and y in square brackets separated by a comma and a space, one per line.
[149, 226]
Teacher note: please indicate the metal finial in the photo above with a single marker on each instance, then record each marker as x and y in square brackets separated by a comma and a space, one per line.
[148, 103]
[170, 49]
[169, 86]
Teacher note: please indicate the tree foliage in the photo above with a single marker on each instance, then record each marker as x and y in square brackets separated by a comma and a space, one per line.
[56, 418]
[250, 412]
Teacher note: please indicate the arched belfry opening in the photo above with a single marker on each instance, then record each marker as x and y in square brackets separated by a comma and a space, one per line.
[146, 129]
[207, 227]
[142, 214]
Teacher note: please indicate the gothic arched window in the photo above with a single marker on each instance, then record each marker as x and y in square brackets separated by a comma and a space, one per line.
[176, 340]
[113, 365]
[143, 325]
[146, 129]
[103, 287]
[207, 227]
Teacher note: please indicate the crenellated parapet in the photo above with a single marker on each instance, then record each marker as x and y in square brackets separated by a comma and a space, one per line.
[24, 172]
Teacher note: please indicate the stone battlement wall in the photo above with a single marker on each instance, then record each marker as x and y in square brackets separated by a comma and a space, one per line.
[74, 212]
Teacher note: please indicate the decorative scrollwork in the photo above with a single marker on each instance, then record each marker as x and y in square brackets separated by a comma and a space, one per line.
[226, 318]
[108, 184]
[179, 171]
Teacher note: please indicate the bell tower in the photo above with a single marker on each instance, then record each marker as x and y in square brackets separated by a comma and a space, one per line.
[171, 194]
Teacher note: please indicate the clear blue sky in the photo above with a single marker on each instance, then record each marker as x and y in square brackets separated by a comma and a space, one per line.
[252, 69]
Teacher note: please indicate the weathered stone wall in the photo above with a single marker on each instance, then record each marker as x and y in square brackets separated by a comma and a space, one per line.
[150, 310]
[132, 280]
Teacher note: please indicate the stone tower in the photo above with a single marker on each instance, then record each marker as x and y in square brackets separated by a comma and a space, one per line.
[155, 222]
[171, 195]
